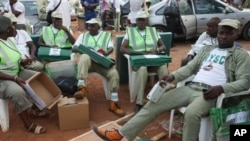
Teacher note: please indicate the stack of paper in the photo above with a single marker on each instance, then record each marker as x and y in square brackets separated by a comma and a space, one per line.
[149, 60]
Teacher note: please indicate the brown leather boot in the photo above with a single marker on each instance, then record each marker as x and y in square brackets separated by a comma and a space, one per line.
[108, 135]
[114, 108]
[81, 92]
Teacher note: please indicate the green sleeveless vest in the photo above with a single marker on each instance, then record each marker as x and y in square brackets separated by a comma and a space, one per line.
[102, 42]
[60, 38]
[9, 58]
[139, 43]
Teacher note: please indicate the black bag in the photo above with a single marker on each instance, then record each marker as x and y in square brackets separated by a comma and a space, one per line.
[48, 17]
[171, 11]
[68, 85]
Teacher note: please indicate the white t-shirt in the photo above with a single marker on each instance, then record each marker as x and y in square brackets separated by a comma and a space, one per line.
[21, 39]
[18, 6]
[203, 40]
[79, 40]
[213, 67]
[135, 7]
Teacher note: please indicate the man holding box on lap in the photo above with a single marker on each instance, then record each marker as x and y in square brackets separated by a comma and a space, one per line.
[142, 40]
[56, 35]
[101, 42]
[56, 40]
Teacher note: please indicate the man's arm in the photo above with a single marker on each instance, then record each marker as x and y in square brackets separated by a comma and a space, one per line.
[161, 46]
[4, 76]
[18, 10]
[241, 68]
[32, 48]
[110, 47]
[70, 36]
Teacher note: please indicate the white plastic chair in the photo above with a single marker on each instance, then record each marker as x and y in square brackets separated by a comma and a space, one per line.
[206, 127]
[4, 115]
[132, 77]
[166, 38]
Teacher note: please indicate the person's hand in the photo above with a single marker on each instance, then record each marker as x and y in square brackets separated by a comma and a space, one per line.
[20, 82]
[152, 51]
[62, 28]
[26, 61]
[101, 51]
[213, 92]
[167, 78]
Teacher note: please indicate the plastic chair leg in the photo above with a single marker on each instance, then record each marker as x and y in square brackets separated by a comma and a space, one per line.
[4, 115]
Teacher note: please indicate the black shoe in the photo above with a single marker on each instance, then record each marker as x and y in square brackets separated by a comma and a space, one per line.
[137, 108]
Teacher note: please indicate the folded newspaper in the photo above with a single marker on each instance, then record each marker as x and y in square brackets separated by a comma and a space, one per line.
[34, 97]
[158, 90]
[95, 56]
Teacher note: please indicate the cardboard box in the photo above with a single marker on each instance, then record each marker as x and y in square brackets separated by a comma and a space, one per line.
[43, 91]
[73, 114]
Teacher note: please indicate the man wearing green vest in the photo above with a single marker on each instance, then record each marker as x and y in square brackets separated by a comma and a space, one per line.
[139, 40]
[12, 76]
[25, 46]
[56, 35]
[102, 42]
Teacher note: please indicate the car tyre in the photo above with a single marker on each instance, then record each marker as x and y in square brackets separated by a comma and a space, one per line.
[160, 28]
[246, 32]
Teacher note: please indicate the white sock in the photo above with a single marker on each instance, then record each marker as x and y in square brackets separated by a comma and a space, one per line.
[81, 83]
[114, 97]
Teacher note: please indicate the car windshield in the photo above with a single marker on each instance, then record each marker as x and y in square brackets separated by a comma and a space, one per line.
[208, 7]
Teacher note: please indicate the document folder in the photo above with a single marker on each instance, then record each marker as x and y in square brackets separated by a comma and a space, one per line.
[95, 56]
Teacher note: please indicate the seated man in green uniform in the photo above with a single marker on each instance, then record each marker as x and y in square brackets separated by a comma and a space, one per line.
[12, 76]
[143, 39]
[101, 41]
[25, 46]
[222, 68]
[56, 35]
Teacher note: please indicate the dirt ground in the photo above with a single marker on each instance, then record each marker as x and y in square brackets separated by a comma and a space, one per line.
[98, 107]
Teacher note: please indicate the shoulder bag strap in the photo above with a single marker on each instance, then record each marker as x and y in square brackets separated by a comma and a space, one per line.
[57, 6]
[169, 2]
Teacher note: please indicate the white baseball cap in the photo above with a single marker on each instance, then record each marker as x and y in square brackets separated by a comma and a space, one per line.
[142, 14]
[94, 21]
